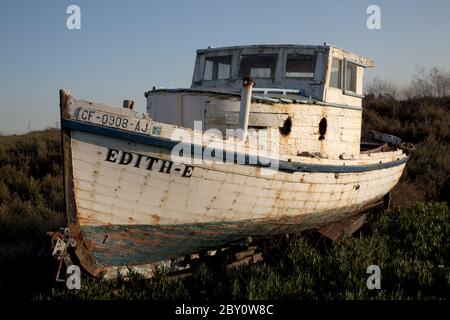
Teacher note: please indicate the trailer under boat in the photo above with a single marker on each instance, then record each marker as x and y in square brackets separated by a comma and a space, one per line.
[146, 188]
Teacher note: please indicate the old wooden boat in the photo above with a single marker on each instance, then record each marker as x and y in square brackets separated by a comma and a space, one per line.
[143, 188]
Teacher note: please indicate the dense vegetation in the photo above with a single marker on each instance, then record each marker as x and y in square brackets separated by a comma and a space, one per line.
[426, 123]
[31, 203]
[409, 243]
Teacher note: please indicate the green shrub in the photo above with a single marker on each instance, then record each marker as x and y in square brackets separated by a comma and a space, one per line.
[424, 122]
[31, 203]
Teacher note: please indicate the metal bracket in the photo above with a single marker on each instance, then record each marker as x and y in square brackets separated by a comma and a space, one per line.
[61, 242]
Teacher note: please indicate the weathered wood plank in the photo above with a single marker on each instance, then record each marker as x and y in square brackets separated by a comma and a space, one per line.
[347, 226]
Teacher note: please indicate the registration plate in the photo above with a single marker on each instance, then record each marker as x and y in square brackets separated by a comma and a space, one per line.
[119, 122]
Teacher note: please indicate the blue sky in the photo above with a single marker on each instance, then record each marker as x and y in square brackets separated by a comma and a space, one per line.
[126, 47]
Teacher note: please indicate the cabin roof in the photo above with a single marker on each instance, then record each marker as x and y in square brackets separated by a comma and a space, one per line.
[270, 98]
[364, 61]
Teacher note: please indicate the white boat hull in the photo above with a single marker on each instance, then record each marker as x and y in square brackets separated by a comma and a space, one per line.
[133, 205]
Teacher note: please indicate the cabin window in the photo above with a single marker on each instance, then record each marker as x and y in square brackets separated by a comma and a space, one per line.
[217, 68]
[335, 73]
[258, 66]
[350, 76]
[300, 66]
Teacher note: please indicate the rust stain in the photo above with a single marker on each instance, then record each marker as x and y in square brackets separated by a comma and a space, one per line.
[155, 218]
[90, 245]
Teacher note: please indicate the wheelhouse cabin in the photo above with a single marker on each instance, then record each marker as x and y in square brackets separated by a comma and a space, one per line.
[310, 94]
[324, 73]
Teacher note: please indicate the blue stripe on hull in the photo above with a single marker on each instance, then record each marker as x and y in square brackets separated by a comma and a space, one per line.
[122, 245]
[169, 144]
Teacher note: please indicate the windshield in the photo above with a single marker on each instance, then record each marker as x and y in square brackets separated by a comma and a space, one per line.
[217, 68]
[258, 66]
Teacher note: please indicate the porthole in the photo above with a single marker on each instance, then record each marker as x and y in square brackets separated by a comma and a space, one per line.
[322, 128]
[286, 128]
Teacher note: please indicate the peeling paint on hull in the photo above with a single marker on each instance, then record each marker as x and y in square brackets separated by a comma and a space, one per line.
[127, 245]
